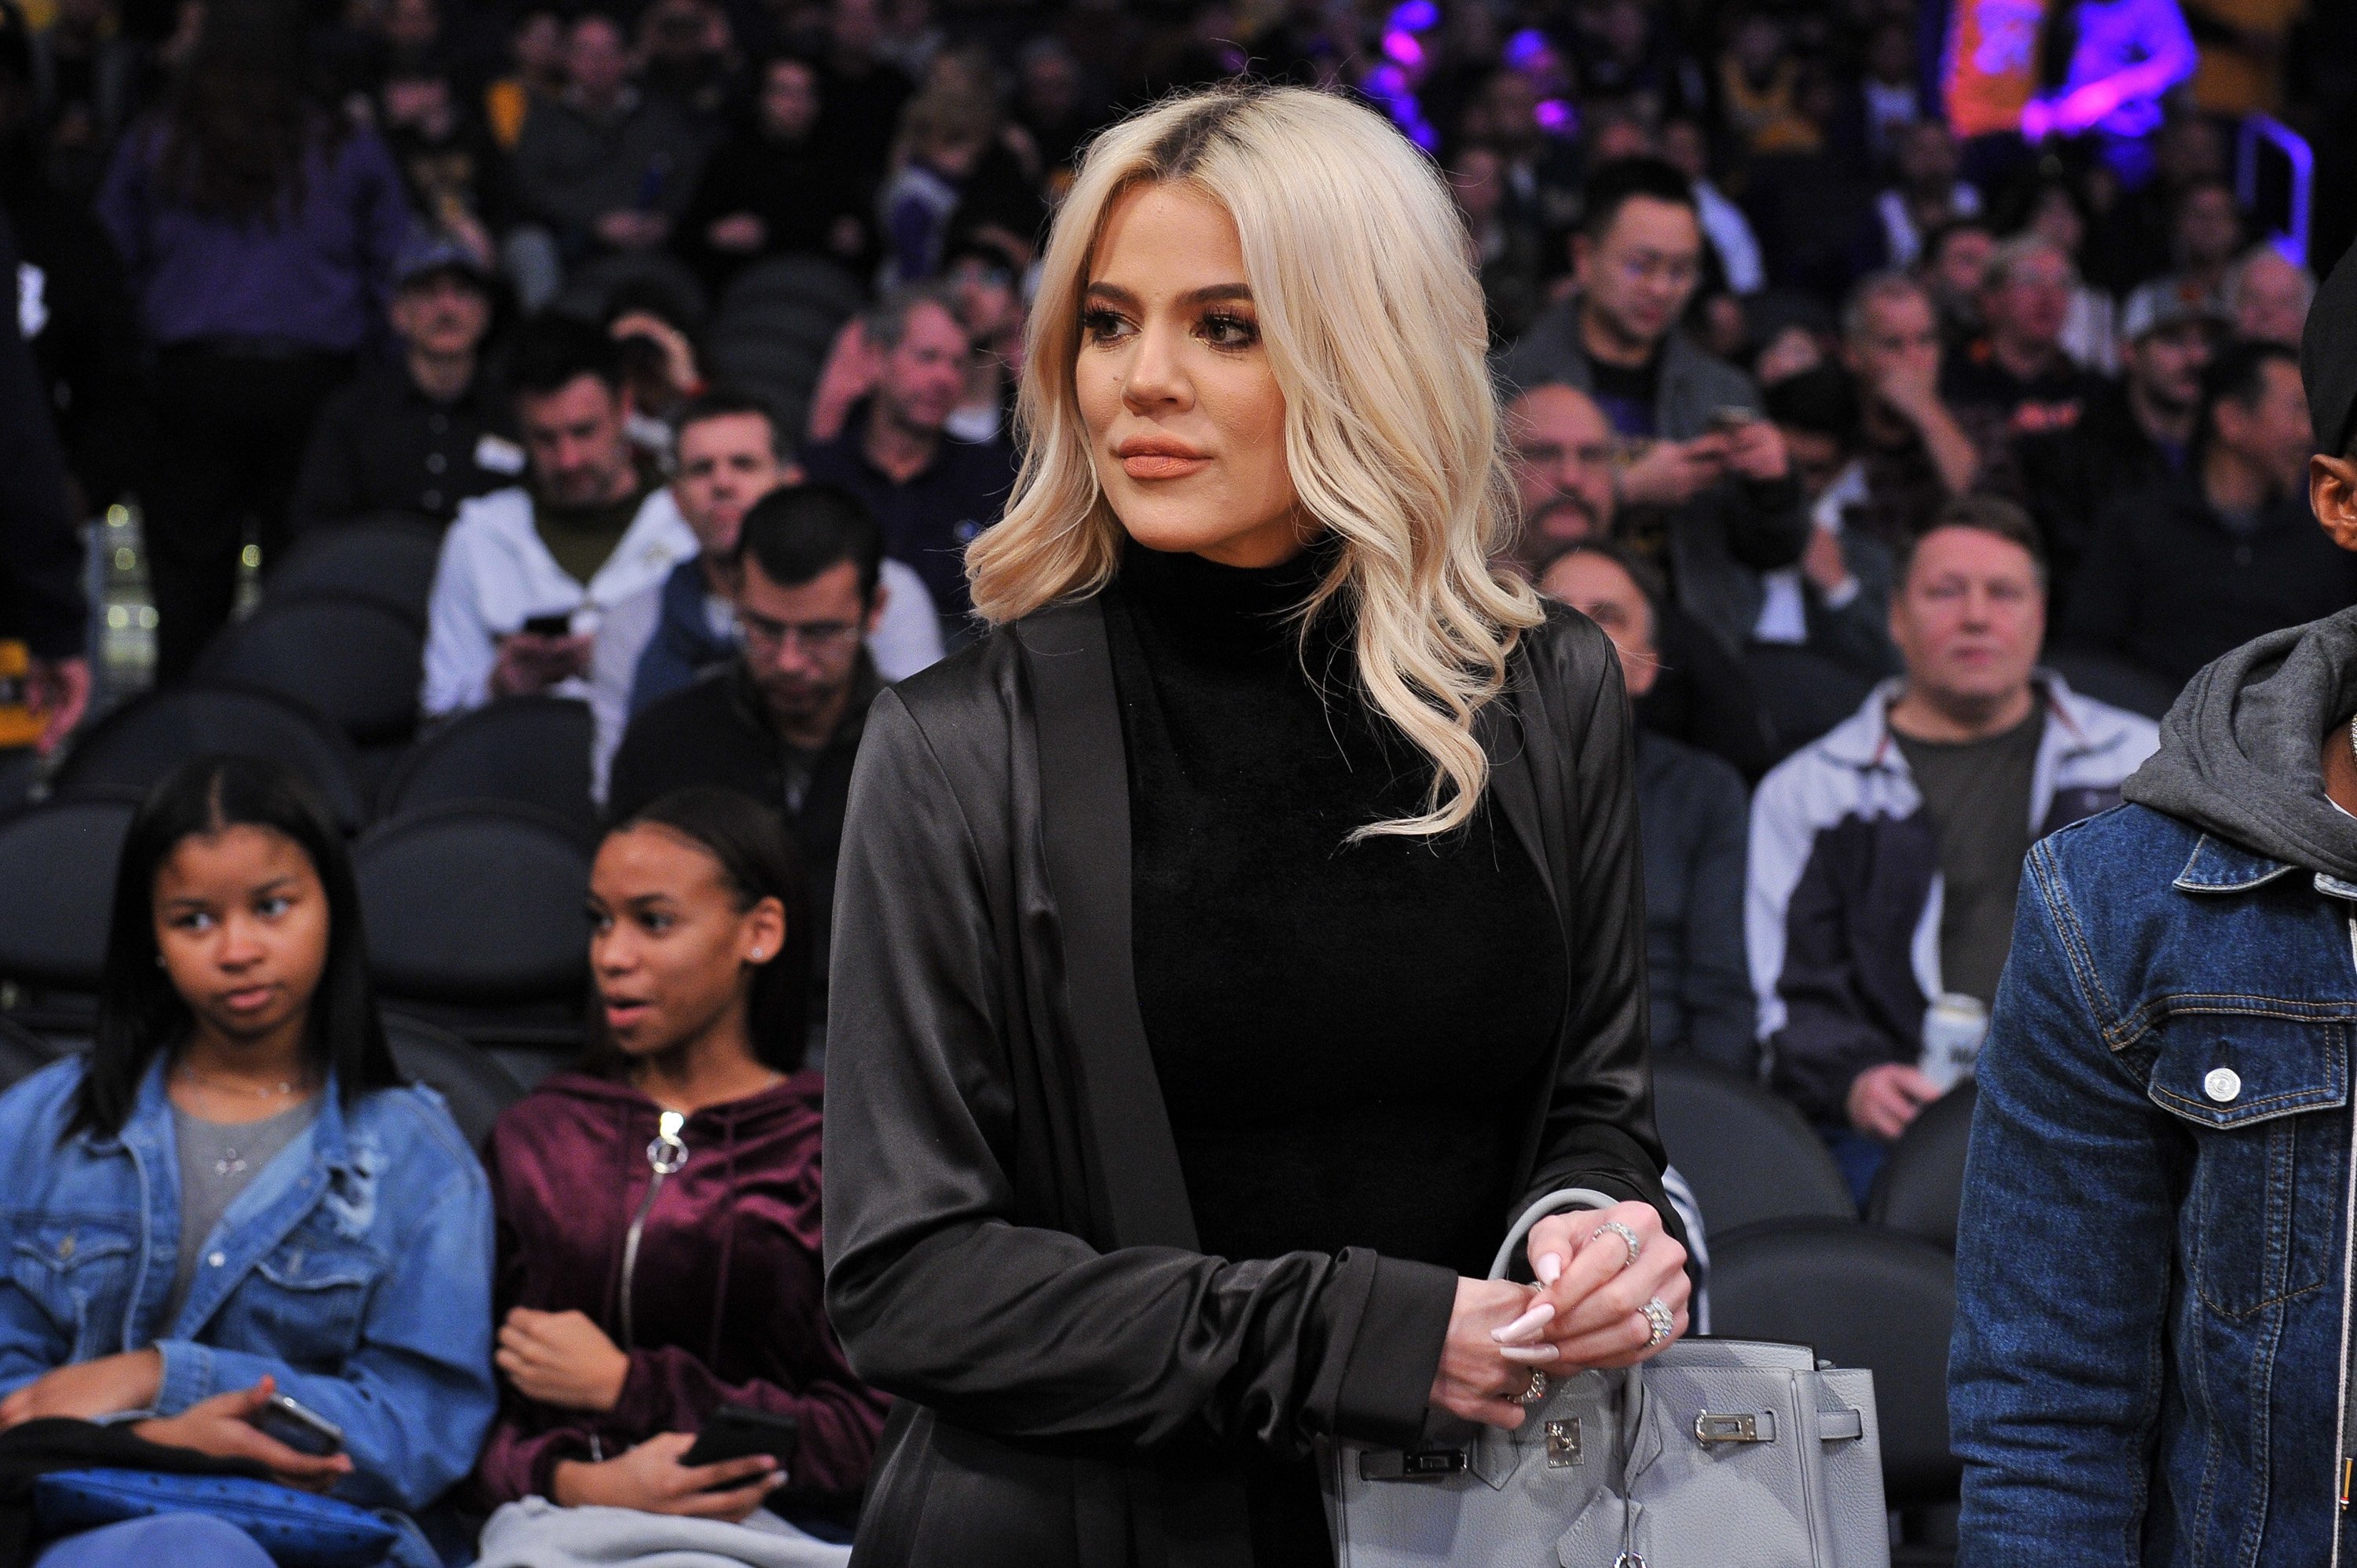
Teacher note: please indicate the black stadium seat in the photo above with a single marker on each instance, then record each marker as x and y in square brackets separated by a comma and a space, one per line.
[57, 884]
[352, 660]
[143, 740]
[1747, 1154]
[1921, 1185]
[474, 916]
[476, 1088]
[22, 1053]
[530, 751]
[1861, 1297]
[389, 559]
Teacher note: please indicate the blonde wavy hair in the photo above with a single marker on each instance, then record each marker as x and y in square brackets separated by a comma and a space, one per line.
[1372, 314]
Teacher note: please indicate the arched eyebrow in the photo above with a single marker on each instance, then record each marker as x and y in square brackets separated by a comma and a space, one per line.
[1210, 292]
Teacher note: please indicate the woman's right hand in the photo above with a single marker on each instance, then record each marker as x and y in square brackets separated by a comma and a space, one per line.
[222, 1427]
[1477, 1380]
[652, 1480]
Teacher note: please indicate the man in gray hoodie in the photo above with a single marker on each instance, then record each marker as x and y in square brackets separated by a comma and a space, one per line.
[2153, 1346]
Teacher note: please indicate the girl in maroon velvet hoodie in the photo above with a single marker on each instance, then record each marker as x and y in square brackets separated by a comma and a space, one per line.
[612, 1355]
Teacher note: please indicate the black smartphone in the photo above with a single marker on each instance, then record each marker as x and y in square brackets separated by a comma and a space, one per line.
[304, 1430]
[738, 1432]
[549, 626]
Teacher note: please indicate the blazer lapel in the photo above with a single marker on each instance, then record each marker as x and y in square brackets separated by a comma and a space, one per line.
[1084, 807]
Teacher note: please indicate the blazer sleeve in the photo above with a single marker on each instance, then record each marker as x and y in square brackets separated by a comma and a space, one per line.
[943, 1296]
[1598, 1131]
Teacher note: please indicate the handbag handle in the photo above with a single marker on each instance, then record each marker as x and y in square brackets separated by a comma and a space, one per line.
[1555, 1202]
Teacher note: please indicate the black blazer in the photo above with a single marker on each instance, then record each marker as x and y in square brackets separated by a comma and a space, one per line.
[1008, 1244]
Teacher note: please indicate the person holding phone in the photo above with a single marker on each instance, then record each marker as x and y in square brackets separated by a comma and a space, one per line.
[1229, 946]
[659, 1270]
[229, 1217]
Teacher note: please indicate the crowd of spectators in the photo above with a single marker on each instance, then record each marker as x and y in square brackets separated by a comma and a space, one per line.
[1913, 457]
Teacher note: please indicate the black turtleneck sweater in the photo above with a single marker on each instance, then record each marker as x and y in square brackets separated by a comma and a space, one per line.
[1346, 1035]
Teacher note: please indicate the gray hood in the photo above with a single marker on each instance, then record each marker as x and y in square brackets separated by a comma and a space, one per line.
[2240, 749]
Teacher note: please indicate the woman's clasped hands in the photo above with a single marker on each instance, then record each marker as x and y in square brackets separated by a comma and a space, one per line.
[1598, 1272]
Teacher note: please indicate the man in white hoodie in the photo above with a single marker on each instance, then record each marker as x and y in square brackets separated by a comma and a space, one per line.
[527, 573]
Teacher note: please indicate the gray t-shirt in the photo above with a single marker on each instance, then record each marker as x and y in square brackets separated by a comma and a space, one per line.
[1977, 794]
[217, 1161]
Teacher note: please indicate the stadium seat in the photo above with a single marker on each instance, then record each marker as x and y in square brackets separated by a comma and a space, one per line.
[476, 1088]
[143, 741]
[532, 751]
[800, 280]
[1921, 1185]
[57, 887]
[1860, 1298]
[474, 921]
[1747, 1154]
[389, 560]
[22, 1052]
[352, 660]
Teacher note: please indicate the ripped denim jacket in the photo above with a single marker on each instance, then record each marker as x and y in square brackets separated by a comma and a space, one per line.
[356, 1269]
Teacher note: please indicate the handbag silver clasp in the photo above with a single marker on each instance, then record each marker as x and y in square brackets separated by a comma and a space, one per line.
[1418, 1465]
[1712, 1430]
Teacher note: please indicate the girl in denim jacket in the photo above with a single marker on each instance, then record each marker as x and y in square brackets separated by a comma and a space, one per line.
[234, 1189]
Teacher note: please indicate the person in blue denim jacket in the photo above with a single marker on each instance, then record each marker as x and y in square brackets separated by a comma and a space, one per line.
[235, 1186]
[2153, 1347]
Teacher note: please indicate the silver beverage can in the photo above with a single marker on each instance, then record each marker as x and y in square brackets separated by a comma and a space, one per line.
[1954, 1026]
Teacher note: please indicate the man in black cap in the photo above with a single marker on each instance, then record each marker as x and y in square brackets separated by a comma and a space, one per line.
[2153, 1348]
[426, 433]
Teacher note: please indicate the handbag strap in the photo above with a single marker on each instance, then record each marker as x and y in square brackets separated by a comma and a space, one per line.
[1555, 1202]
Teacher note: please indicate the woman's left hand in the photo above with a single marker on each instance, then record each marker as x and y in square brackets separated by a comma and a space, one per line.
[1593, 1293]
[88, 1389]
[562, 1359]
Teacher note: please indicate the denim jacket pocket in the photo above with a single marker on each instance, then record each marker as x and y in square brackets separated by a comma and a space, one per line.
[304, 1302]
[2261, 1210]
[77, 1269]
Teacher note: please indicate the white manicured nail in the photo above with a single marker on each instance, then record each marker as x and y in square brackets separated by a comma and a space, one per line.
[1531, 1355]
[1550, 1269]
[1525, 1325]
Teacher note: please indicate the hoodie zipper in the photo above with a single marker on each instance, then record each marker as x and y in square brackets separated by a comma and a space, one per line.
[665, 1155]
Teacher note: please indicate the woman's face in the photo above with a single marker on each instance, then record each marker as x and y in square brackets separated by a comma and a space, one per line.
[671, 953]
[1186, 422]
[241, 924]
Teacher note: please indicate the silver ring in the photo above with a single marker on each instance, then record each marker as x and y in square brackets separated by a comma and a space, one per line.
[1661, 1320]
[1627, 1235]
[1534, 1390]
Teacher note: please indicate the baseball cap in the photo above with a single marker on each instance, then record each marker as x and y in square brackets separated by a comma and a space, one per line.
[433, 252]
[2159, 306]
[2328, 357]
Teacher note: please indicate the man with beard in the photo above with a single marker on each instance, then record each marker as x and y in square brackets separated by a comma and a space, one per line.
[781, 720]
[2130, 437]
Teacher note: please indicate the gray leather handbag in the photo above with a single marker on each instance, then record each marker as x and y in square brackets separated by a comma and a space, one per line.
[1716, 1453]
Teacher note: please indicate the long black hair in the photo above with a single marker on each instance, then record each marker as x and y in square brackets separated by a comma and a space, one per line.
[243, 120]
[140, 1013]
[757, 860]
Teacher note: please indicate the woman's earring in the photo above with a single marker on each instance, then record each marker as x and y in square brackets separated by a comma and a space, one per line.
[760, 953]
[159, 961]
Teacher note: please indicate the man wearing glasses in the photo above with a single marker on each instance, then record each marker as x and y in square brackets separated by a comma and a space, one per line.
[781, 720]
[1705, 483]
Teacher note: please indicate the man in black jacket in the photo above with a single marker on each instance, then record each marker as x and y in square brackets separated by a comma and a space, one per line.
[781, 721]
[429, 432]
[2178, 575]
[2129, 437]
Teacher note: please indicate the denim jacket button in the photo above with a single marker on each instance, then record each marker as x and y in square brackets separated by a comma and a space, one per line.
[2222, 1084]
[218, 1258]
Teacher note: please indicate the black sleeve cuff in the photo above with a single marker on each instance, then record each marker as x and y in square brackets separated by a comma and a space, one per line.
[1387, 1377]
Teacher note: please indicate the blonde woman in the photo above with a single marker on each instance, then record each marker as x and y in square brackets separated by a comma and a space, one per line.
[1231, 943]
